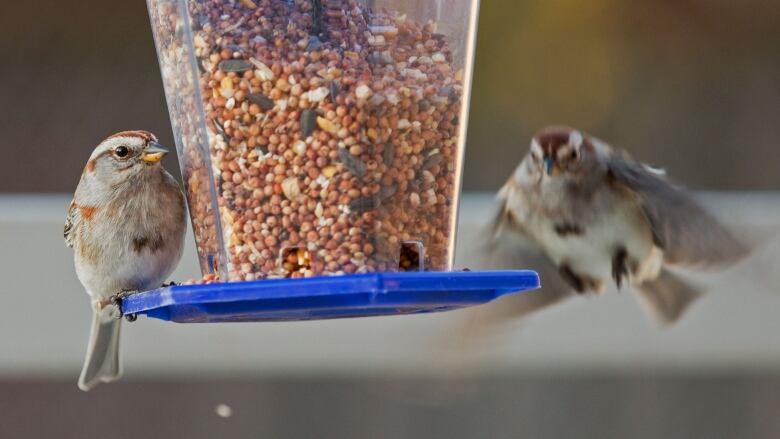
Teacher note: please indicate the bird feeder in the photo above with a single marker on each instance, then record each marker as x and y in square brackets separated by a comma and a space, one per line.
[321, 146]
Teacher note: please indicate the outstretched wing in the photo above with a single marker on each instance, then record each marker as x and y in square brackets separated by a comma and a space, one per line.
[510, 248]
[519, 252]
[686, 232]
[71, 223]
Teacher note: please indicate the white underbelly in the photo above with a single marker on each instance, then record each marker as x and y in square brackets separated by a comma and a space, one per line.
[127, 270]
[591, 253]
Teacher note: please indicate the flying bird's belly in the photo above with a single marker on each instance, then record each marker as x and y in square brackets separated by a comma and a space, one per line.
[589, 248]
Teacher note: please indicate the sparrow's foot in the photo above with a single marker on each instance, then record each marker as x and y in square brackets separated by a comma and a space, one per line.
[572, 279]
[117, 299]
[622, 266]
[580, 284]
[169, 284]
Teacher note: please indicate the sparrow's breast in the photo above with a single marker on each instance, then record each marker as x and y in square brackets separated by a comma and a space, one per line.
[133, 244]
[586, 237]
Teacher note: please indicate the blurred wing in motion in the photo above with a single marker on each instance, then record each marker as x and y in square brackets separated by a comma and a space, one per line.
[515, 253]
[667, 297]
[510, 248]
[685, 231]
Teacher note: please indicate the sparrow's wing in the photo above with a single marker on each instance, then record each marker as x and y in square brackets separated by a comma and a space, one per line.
[511, 248]
[686, 232]
[518, 252]
[71, 223]
[482, 324]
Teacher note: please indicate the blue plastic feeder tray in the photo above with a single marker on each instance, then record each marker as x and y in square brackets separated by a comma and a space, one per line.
[358, 295]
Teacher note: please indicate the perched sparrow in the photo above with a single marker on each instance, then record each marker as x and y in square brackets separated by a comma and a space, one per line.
[126, 224]
[588, 214]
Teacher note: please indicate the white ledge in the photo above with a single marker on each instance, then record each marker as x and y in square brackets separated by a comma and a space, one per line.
[44, 318]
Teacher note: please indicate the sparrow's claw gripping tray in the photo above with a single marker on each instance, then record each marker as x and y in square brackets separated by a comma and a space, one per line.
[318, 137]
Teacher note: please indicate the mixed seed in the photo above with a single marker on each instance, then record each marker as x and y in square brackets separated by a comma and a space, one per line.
[331, 138]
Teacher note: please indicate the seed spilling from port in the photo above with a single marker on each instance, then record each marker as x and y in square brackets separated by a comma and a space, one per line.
[412, 256]
[296, 262]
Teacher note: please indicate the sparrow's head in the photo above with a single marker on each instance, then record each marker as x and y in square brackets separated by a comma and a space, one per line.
[558, 151]
[124, 156]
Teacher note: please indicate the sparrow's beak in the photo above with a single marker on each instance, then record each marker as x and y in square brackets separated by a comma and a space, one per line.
[154, 153]
[549, 165]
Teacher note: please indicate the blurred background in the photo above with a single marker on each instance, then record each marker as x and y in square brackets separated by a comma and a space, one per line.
[693, 85]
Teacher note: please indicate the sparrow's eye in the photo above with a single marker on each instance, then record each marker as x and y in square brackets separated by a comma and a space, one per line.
[121, 151]
[575, 154]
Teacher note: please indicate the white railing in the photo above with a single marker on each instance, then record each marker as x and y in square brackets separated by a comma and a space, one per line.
[44, 317]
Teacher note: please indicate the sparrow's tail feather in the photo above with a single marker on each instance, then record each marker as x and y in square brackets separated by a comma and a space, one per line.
[102, 361]
[667, 297]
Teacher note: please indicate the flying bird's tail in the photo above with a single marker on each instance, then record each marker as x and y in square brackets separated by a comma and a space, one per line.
[667, 297]
[102, 361]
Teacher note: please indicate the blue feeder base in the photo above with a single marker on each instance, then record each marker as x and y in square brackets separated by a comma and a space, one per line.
[331, 297]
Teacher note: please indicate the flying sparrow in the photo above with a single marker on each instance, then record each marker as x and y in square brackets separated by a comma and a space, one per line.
[126, 224]
[588, 214]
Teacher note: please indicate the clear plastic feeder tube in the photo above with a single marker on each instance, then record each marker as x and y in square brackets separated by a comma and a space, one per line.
[318, 137]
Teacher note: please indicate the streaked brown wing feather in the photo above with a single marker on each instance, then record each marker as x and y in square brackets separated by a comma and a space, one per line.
[71, 222]
[686, 232]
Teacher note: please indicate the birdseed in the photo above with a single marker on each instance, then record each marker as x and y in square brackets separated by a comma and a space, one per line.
[333, 131]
